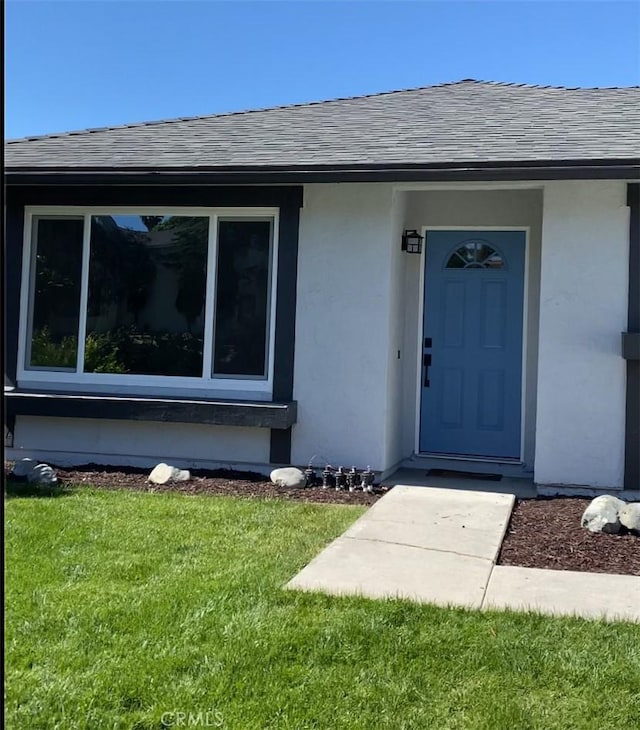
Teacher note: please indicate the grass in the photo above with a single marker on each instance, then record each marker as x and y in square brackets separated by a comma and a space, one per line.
[123, 606]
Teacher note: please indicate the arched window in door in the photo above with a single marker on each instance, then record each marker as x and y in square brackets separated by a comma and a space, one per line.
[475, 254]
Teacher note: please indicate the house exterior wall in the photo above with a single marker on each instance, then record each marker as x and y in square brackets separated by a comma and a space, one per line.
[583, 310]
[357, 335]
[397, 354]
[342, 325]
[68, 441]
[81, 440]
[341, 368]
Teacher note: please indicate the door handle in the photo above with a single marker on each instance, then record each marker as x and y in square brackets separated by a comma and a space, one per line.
[426, 362]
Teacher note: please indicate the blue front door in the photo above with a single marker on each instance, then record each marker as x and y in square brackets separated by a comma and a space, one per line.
[472, 344]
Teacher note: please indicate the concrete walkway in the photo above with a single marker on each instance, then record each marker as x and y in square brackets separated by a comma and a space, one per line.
[440, 546]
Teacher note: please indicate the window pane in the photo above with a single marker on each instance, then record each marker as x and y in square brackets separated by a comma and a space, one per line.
[475, 255]
[147, 281]
[242, 298]
[56, 293]
[456, 261]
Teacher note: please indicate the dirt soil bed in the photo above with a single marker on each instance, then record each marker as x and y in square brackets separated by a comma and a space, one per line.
[546, 533]
[220, 481]
[542, 533]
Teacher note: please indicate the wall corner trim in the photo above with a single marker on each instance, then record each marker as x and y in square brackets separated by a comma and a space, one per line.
[631, 346]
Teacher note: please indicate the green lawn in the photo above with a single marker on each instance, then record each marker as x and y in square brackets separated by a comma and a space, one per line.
[123, 606]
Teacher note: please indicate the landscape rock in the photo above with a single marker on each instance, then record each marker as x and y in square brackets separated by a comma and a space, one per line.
[288, 477]
[43, 475]
[629, 516]
[23, 467]
[164, 473]
[602, 514]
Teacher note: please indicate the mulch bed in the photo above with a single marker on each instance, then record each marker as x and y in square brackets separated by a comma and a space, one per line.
[546, 533]
[219, 481]
[542, 533]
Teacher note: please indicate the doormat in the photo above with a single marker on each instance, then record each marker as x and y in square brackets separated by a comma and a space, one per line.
[453, 474]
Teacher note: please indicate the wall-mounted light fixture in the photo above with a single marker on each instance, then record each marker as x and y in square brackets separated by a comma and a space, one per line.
[412, 241]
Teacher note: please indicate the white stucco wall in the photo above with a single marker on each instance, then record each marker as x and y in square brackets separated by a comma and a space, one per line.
[583, 310]
[396, 414]
[342, 325]
[66, 441]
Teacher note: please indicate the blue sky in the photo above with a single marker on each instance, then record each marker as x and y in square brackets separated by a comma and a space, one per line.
[91, 63]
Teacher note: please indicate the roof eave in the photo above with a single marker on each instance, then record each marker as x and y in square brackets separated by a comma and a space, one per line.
[466, 171]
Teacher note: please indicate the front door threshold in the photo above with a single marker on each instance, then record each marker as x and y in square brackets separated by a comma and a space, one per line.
[521, 486]
[513, 468]
[472, 458]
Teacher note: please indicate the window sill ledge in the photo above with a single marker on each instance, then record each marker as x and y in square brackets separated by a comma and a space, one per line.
[216, 412]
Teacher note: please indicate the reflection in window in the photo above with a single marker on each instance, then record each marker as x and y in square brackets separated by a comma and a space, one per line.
[242, 298]
[147, 281]
[56, 293]
[123, 294]
[475, 254]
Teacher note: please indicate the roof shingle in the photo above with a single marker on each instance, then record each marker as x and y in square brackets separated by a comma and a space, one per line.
[466, 121]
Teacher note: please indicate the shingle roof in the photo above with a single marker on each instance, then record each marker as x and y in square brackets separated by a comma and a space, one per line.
[466, 121]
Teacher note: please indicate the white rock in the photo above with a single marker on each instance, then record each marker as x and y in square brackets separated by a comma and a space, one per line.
[164, 473]
[161, 473]
[602, 514]
[42, 474]
[288, 477]
[23, 467]
[629, 516]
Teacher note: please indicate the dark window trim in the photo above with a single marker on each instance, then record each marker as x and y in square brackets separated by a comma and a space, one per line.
[280, 448]
[188, 196]
[14, 225]
[214, 412]
[631, 346]
[264, 415]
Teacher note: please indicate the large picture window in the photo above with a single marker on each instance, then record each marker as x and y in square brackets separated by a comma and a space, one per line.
[116, 296]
